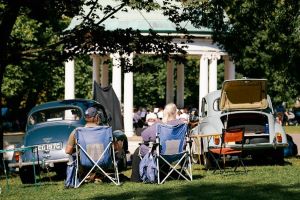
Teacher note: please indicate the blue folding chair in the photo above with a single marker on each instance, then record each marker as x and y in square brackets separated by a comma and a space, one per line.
[94, 150]
[173, 152]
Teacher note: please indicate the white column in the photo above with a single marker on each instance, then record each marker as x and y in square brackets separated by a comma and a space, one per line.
[116, 76]
[213, 74]
[170, 82]
[180, 86]
[69, 79]
[229, 69]
[104, 71]
[128, 101]
[96, 70]
[203, 82]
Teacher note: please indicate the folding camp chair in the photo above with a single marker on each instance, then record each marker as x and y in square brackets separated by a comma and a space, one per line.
[94, 151]
[232, 144]
[173, 152]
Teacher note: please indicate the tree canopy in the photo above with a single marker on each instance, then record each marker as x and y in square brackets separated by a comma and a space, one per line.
[262, 36]
[33, 42]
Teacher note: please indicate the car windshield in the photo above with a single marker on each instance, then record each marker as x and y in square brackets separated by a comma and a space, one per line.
[55, 114]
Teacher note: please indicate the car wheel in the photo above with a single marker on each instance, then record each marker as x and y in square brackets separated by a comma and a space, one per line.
[60, 171]
[278, 157]
[208, 161]
[194, 157]
[27, 175]
[121, 160]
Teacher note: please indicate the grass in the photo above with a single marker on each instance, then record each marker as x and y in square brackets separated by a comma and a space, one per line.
[261, 182]
[292, 129]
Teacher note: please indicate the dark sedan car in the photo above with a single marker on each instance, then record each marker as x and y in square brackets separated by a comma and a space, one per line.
[48, 127]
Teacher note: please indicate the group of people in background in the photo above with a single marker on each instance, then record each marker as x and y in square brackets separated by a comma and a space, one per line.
[285, 117]
[142, 118]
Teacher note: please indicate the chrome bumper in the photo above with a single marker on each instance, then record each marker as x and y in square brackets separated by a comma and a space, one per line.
[42, 163]
[265, 146]
[256, 147]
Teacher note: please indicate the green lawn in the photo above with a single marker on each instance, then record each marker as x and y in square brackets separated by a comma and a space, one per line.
[292, 129]
[261, 182]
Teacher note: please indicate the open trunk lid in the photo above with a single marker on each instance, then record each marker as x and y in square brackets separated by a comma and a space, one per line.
[244, 94]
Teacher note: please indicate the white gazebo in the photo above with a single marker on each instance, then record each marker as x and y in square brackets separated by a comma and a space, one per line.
[202, 47]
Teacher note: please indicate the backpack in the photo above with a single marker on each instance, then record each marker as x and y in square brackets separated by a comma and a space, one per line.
[292, 149]
[148, 168]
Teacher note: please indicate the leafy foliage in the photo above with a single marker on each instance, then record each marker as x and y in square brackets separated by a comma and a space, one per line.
[90, 36]
[149, 81]
[266, 37]
[261, 36]
[83, 77]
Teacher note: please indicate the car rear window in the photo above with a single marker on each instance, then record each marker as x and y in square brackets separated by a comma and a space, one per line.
[55, 114]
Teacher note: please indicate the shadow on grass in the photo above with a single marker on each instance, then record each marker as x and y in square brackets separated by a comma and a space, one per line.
[212, 191]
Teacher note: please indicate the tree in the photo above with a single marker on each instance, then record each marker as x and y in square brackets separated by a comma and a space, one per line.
[263, 38]
[25, 53]
[260, 50]
[90, 35]
[25, 83]
[86, 38]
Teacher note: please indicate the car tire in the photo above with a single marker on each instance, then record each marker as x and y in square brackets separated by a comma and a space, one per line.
[194, 157]
[278, 156]
[27, 175]
[121, 160]
[60, 171]
[208, 161]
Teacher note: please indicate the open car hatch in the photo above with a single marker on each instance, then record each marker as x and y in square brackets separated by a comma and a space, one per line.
[244, 94]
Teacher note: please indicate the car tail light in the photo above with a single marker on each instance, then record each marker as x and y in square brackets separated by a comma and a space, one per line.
[17, 156]
[216, 140]
[279, 137]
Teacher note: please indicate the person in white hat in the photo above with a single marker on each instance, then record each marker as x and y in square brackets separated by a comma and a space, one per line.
[151, 119]
[184, 117]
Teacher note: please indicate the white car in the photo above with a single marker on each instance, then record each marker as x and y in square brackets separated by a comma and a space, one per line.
[242, 103]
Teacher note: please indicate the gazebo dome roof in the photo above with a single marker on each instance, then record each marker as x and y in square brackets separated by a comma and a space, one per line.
[140, 20]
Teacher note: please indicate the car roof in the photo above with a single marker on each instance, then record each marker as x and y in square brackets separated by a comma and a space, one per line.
[82, 103]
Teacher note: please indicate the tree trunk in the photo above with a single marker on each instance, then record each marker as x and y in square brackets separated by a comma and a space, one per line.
[8, 19]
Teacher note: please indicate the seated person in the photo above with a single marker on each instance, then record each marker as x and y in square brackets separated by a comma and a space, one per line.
[184, 117]
[92, 120]
[149, 135]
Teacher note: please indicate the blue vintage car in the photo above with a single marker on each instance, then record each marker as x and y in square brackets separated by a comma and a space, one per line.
[48, 127]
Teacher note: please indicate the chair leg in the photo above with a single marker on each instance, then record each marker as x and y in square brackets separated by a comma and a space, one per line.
[240, 162]
[224, 163]
[216, 162]
[173, 168]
